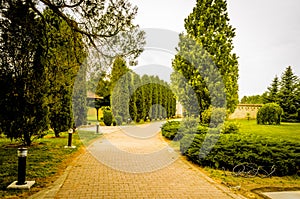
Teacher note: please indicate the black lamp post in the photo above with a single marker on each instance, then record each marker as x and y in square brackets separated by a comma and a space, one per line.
[22, 154]
[70, 131]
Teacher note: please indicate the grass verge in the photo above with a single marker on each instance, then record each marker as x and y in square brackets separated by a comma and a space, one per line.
[46, 161]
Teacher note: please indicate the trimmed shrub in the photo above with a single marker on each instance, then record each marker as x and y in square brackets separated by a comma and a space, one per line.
[233, 149]
[269, 114]
[170, 129]
[202, 129]
[213, 117]
[107, 117]
[230, 127]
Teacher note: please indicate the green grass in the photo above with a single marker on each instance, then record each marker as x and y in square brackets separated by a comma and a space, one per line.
[92, 115]
[47, 158]
[285, 131]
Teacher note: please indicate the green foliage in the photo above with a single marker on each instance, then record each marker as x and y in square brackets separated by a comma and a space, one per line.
[208, 42]
[79, 97]
[65, 53]
[233, 149]
[269, 114]
[240, 143]
[107, 117]
[271, 95]
[255, 99]
[288, 94]
[170, 129]
[285, 92]
[230, 127]
[44, 161]
[141, 98]
[213, 116]
[23, 82]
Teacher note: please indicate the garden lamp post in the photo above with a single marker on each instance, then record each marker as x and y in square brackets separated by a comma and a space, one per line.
[21, 183]
[22, 154]
[70, 131]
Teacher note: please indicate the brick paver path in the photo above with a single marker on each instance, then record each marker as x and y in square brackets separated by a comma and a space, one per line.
[119, 165]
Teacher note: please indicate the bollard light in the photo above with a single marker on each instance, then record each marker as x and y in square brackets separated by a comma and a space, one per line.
[97, 127]
[22, 154]
[21, 183]
[70, 131]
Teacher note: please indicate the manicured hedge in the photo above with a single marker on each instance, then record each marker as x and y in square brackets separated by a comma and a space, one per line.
[233, 149]
[170, 129]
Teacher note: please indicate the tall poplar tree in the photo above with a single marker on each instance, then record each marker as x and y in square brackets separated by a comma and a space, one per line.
[208, 42]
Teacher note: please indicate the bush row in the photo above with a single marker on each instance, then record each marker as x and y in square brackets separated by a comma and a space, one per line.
[175, 130]
[225, 147]
[232, 149]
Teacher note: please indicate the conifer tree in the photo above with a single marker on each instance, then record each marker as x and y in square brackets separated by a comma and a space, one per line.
[286, 96]
[208, 42]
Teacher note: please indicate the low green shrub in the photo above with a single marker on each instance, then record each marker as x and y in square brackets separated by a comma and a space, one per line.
[269, 114]
[213, 117]
[170, 129]
[233, 149]
[107, 117]
[230, 127]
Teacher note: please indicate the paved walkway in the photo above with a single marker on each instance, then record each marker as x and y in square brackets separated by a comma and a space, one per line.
[120, 165]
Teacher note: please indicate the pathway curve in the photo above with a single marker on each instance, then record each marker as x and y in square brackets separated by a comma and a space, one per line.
[135, 162]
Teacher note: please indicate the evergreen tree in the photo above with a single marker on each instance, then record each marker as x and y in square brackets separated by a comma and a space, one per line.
[65, 53]
[121, 85]
[23, 82]
[272, 93]
[185, 93]
[155, 98]
[147, 96]
[208, 42]
[139, 98]
[286, 95]
[119, 69]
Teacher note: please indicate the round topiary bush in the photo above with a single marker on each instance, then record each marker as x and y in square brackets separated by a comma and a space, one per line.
[269, 114]
[107, 117]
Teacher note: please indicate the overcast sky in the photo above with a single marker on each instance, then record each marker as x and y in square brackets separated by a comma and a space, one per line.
[267, 36]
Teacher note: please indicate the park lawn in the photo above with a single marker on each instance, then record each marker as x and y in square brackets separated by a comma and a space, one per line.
[285, 131]
[46, 161]
[92, 115]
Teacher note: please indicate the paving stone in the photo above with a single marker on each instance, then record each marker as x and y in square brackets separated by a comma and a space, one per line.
[121, 166]
[134, 165]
